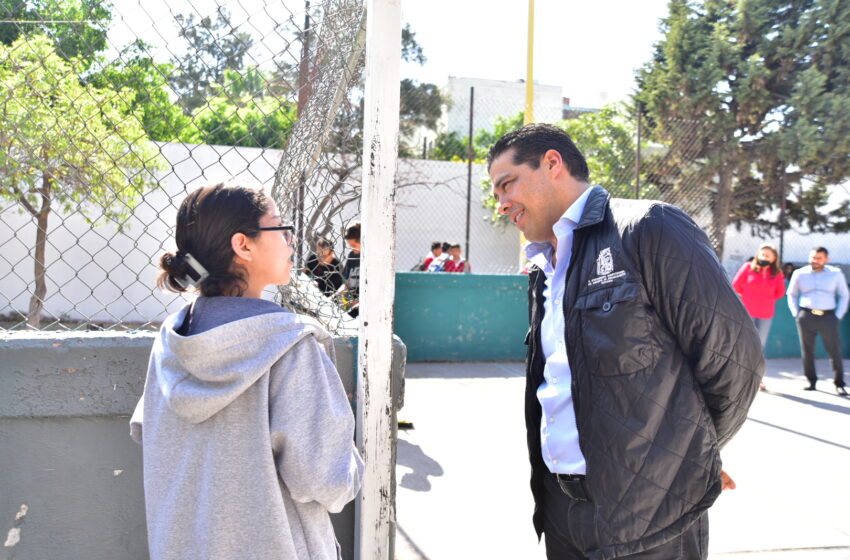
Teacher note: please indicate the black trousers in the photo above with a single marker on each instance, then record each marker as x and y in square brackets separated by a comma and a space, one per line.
[809, 326]
[569, 531]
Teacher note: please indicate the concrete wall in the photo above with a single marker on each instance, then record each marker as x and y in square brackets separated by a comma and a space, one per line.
[460, 317]
[70, 476]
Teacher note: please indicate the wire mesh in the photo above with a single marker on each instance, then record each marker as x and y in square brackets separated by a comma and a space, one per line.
[112, 113]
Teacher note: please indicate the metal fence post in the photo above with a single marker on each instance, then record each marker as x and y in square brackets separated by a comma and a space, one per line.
[470, 155]
[377, 287]
[637, 150]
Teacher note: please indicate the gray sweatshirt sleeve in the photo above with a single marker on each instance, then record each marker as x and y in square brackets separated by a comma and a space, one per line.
[312, 428]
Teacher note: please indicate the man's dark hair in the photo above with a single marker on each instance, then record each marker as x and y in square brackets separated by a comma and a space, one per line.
[445, 246]
[533, 140]
[454, 245]
[322, 242]
[353, 232]
[821, 250]
[436, 245]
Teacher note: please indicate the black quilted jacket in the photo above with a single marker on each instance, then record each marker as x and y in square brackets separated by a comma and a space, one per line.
[665, 363]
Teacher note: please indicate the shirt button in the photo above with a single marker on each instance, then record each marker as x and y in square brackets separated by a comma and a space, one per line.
[555, 380]
[558, 302]
[551, 420]
[555, 461]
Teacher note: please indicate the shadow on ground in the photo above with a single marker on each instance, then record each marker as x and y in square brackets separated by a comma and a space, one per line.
[423, 466]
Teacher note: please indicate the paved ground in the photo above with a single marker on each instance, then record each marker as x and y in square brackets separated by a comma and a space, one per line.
[462, 470]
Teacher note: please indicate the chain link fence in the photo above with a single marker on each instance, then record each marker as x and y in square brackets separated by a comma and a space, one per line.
[110, 114]
[628, 154]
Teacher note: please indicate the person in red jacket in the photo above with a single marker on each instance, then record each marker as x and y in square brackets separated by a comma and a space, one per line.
[456, 262]
[760, 283]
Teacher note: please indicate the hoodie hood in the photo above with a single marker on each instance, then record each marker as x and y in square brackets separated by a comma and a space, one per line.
[199, 375]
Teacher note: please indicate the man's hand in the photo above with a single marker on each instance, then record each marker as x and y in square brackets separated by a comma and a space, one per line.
[726, 481]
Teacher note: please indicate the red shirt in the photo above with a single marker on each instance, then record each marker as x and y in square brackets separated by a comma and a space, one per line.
[452, 266]
[759, 290]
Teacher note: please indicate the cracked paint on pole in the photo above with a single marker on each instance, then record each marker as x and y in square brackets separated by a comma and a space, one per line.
[375, 411]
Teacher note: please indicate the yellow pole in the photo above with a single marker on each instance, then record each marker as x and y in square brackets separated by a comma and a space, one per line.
[529, 102]
[529, 71]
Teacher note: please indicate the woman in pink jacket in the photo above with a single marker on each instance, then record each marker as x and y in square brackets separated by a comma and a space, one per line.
[760, 283]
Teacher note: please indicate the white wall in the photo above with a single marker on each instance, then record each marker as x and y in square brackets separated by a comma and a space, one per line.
[108, 275]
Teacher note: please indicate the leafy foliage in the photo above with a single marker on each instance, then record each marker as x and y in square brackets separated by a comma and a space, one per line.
[213, 46]
[81, 33]
[768, 88]
[147, 81]
[65, 143]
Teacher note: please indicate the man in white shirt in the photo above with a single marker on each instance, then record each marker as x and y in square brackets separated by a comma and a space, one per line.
[818, 298]
[641, 364]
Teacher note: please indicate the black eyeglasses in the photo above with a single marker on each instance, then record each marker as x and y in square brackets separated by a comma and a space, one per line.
[288, 232]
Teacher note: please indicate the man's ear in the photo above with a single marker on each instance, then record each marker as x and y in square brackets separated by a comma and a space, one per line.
[554, 163]
[240, 243]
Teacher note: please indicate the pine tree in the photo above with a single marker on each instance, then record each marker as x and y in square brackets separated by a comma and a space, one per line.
[751, 100]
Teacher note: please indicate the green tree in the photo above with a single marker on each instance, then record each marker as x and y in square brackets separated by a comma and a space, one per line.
[213, 46]
[136, 70]
[421, 106]
[607, 139]
[752, 101]
[449, 146]
[66, 145]
[79, 30]
[258, 122]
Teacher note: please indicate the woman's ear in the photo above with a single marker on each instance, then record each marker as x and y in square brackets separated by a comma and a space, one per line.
[241, 245]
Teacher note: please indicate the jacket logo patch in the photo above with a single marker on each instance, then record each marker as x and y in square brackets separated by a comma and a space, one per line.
[605, 269]
[605, 262]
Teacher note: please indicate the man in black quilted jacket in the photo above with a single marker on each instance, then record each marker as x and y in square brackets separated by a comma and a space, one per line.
[641, 362]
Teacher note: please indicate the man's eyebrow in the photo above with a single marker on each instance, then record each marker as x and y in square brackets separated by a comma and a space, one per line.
[502, 179]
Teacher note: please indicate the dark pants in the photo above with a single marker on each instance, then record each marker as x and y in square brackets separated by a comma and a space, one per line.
[569, 531]
[809, 326]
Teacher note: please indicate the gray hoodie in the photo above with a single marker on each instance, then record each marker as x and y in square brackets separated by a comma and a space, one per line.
[247, 438]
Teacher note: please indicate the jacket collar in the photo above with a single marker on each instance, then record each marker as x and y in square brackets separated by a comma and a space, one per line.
[594, 208]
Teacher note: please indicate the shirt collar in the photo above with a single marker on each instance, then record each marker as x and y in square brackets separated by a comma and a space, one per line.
[538, 252]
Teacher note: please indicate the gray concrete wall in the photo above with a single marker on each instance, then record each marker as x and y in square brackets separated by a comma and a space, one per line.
[70, 476]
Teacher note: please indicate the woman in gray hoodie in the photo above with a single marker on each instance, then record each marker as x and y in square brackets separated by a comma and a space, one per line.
[246, 430]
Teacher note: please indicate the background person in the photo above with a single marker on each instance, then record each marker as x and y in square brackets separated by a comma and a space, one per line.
[350, 289]
[818, 298]
[246, 428]
[760, 283]
[441, 256]
[788, 270]
[436, 252]
[456, 262]
[325, 268]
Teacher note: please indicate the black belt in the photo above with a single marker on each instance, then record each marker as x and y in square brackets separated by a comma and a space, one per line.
[573, 485]
[819, 312]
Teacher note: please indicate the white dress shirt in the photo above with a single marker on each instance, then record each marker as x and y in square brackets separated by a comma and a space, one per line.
[826, 289]
[558, 430]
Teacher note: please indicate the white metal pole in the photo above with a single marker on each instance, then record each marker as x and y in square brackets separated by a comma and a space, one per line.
[377, 278]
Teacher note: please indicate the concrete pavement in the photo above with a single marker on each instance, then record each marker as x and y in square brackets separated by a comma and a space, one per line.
[462, 470]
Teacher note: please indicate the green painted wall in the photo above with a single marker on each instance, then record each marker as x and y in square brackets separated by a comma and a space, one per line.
[477, 317]
[783, 341]
[461, 317]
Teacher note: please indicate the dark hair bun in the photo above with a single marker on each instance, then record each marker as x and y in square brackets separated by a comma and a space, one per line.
[174, 266]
